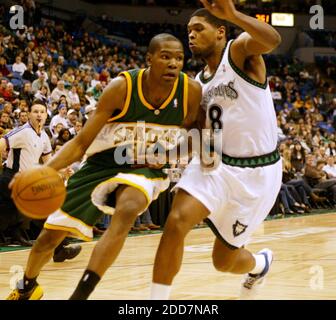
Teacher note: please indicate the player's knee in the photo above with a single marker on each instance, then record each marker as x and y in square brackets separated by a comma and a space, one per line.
[130, 209]
[178, 223]
[48, 240]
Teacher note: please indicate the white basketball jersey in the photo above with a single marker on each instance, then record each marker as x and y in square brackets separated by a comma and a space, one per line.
[242, 108]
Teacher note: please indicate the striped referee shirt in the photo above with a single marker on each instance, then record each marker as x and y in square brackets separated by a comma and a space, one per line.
[26, 147]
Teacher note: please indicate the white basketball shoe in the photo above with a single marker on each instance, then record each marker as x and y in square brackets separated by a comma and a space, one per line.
[252, 282]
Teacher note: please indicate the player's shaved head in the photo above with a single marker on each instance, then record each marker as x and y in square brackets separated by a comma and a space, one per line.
[159, 39]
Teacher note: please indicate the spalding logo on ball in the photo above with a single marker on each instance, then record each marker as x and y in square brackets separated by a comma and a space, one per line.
[38, 192]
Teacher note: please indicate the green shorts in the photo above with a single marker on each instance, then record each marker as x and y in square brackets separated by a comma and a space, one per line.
[90, 193]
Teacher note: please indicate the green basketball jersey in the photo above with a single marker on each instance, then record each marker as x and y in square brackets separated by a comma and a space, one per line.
[139, 124]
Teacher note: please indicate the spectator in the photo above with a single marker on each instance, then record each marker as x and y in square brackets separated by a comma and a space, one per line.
[39, 83]
[63, 137]
[53, 82]
[73, 96]
[80, 111]
[23, 118]
[96, 91]
[29, 74]
[75, 130]
[42, 94]
[317, 178]
[58, 127]
[297, 157]
[331, 149]
[41, 70]
[5, 121]
[3, 87]
[4, 71]
[59, 91]
[27, 93]
[9, 94]
[19, 66]
[59, 118]
[330, 168]
[89, 109]
[60, 65]
[95, 80]
[72, 117]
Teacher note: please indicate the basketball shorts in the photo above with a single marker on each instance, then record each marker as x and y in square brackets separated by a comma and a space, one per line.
[239, 199]
[90, 193]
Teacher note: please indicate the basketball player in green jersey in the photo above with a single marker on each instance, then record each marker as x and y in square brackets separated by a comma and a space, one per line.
[163, 99]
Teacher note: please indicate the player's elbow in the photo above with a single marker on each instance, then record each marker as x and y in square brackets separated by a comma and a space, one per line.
[275, 40]
[278, 39]
[271, 44]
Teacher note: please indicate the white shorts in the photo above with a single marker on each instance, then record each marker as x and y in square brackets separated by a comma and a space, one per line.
[239, 199]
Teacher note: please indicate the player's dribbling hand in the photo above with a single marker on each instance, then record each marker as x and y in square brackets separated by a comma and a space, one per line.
[222, 9]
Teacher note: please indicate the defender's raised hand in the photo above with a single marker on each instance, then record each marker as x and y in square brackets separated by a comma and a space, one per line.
[222, 9]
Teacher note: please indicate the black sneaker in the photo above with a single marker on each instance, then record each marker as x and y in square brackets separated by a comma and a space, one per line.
[67, 253]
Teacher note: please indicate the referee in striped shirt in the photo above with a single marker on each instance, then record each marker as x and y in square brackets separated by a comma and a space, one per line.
[26, 145]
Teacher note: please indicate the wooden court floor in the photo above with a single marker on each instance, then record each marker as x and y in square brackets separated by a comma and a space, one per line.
[304, 265]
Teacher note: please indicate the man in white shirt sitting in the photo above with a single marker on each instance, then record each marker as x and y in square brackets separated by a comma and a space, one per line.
[59, 118]
[19, 66]
[59, 91]
[330, 168]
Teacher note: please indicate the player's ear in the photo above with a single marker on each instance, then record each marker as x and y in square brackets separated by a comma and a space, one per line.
[221, 33]
[149, 58]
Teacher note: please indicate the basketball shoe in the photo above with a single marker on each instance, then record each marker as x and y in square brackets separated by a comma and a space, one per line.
[251, 282]
[34, 294]
[66, 253]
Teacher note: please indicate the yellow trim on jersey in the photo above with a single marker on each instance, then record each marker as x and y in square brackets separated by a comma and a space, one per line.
[150, 124]
[185, 95]
[147, 104]
[75, 219]
[128, 96]
[129, 183]
[69, 229]
[142, 175]
[68, 216]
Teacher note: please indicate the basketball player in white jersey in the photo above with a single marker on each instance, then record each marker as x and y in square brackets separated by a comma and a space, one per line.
[238, 194]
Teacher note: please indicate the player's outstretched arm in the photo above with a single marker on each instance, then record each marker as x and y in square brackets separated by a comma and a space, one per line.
[259, 37]
[112, 99]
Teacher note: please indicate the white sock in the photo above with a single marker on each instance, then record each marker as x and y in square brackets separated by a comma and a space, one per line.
[160, 291]
[260, 264]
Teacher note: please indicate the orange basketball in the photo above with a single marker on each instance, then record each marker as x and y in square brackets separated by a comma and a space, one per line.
[38, 192]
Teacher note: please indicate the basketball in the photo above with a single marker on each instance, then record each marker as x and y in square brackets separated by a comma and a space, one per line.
[38, 192]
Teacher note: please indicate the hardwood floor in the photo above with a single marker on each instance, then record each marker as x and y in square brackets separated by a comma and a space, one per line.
[304, 266]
